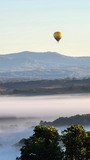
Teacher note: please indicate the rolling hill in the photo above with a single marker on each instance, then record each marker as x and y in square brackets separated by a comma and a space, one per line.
[45, 65]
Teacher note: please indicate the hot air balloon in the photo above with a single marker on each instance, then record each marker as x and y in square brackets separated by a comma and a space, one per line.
[57, 35]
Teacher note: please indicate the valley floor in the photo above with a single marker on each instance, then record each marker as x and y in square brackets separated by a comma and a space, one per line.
[45, 87]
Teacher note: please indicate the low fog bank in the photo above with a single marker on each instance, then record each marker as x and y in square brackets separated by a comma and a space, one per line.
[45, 106]
[12, 130]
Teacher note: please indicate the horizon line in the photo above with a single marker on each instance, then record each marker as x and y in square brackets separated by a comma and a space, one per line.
[12, 53]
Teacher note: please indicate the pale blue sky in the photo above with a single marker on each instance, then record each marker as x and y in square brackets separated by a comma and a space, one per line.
[29, 25]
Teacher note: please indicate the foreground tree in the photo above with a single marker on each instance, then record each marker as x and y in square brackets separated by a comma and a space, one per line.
[87, 145]
[43, 145]
[74, 139]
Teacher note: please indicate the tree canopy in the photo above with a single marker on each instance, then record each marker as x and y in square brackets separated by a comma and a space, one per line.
[74, 141]
[46, 144]
[43, 145]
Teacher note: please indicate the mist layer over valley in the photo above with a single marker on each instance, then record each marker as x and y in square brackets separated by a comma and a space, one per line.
[18, 115]
[45, 106]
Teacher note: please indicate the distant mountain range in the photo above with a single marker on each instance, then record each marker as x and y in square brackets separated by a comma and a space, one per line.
[45, 65]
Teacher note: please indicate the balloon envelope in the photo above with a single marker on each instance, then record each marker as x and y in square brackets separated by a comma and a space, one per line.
[57, 36]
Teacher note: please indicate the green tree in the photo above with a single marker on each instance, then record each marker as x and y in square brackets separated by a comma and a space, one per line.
[87, 145]
[74, 139]
[43, 145]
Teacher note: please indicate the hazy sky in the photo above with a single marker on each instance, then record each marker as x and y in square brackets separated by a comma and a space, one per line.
[29, 25]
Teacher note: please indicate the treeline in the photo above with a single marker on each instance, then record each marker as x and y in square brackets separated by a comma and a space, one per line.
[46, 144]
[63, 121]
[45, 87]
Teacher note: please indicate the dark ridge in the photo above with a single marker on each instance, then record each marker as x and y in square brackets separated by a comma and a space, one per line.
[63, 121]
[45, 87]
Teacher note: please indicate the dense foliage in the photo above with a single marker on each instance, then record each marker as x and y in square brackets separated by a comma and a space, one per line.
[45, 144]
[87, 145]
[74, 141]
